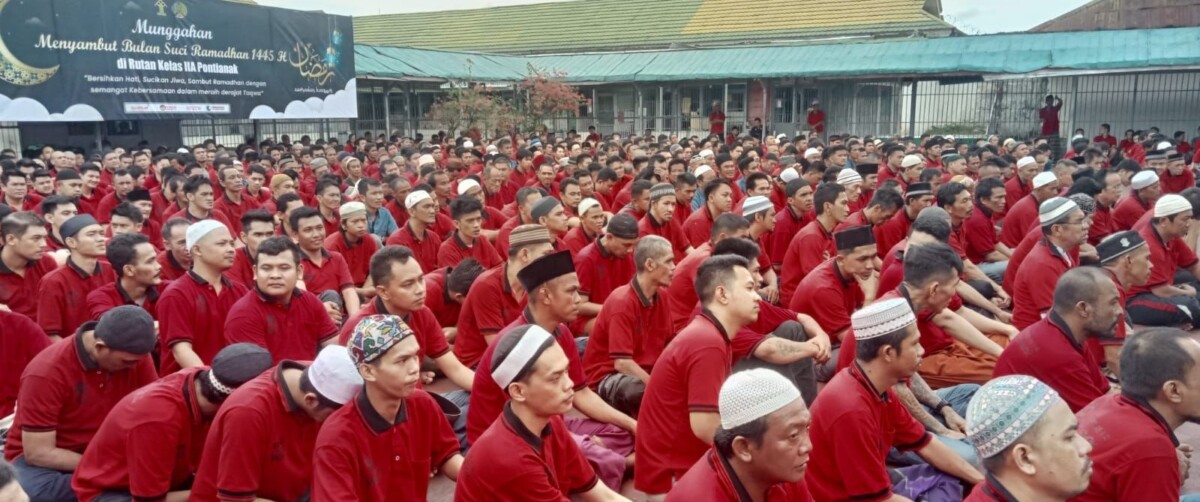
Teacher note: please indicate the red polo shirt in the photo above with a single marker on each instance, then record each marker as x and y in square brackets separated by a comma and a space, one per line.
[64, 390]
[576, 239]
[260, 444]
[1102, 224]
[1165, 258]
[600, 272]
[1133, 451]
[333, 274]
[787, 224]
[149, 445]
[854, 425]
[1177, 183]
[1047, 351]
[399, 212]
[438, 299]
[1129, 209]
[424, 325]
[104, 208]
[713, 479]
[424, 248]
[20, 292]
[233, 211]
[362, 456]
[487, 309]
[294, 330]
[687, 378]
[357, 254]
[62, 296]
[243, 267]
[546, 466]
[1014, 191]
[190, 310]
[809, 249]
[671, 231]
[681, 295]
[979, 234]
[629, 326]
[698, 226]
[487, 398]
[212, 215]
[505, 232]
[172, 269]
[888, 233]
[828, 297]
[113, 295]
[23, 339]
[1033, 289]
[1018, 220]
[453, 251]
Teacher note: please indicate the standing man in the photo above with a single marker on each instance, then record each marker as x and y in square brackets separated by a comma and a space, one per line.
[816, 119]
[716, 121]
[1048, 114]
[62, 295]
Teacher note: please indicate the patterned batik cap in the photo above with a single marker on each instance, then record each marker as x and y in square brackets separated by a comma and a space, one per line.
[374, 335]
[1004, 409]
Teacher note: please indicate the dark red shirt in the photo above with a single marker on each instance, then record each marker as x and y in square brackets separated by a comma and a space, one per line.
[23, 339]
[546, 466]
[698, 226]
[453, 251]
[212, 215]
[1177, 183]
[260, 444]
[233, 211]
[1133, 451]
[1165, 258]
[576, 239]
[809, 249]
[105, 206]
[600, 272]
[113, 295]
[629, 326]
[1015, 190]
[294, 330]
[505, 232]
[671, 231]
[243, 267]
[1129, 209]
[681, 295]
[63, 293]
[713, 479]
[64, 390]
[357, 254]
[172, 269]
[979, 235]
[1020, 218]
[828, 297]
[888, 233]
[333, 274]
[422, 321]
[488, 308]
[687, 378]
[190, 310]
[1102, 224]
[438, 299]
[1033, 289]
[854, 425]
[424, 248]
[149, 444]
[787, 224]
[1047, 351]
[362, 456]
[21, 292]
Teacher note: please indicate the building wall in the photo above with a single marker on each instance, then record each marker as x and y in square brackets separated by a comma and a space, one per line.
[1126, 15]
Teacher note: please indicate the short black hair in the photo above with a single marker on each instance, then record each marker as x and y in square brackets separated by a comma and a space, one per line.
[888, 200]
[122, 250]
[755, 177]
[282, 202]
[128, 211]
[986, 187]
[793, 187]
[50, 204]
[460, 278]
[727, 223]
[170, 225]
[713, 185]
[717, 271]
[753, 431]
[826, 194]
[194, 183]
[381, 262]
[1151, 359]
[464, 205]
[277, 245]
[256, 215]
[948, 192]
[745, 248]
[866, 350]
[935, 261]
[301, 214]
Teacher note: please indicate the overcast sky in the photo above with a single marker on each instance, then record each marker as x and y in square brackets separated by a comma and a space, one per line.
[972, 16]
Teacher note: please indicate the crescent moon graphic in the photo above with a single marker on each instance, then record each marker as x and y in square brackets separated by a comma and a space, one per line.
[15, 71]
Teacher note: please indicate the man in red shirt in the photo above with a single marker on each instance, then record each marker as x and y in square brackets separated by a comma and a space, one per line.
[234, 202]
[917, 197]
[138, 277]
[1105, 136]
[1049, 115]
[631, 329]
[1022, 215]
[660, 220]
[150, 443]
[1064, 229]
[445, 291]
[682, 294]
[324, 273]
[122, 184]
[1053, 350]
[104, 361]
[174, 259]
[62, 295]
[1144, 191]
[816, 119]
[467, 241]
[1144, 460]
[718, 200]
[289, 322]
[763, 409]
[1102, 220]
[814, 243]
[795, 214]
[1021, 183]
[193, 309]
[857, 419]
[417, 233]
[260, 444]
[979, 235]
[530, 369]
[354, 242]
[688, 376]
[591, 225]
[199, 193]
[1126, 258]
[390, 418]
[602, 266]
[57, 209]
[716, 121]
[1165, 300]
[257, 226]
[1027, 439]
[23, 340]
[1178, 175]
[23, 262]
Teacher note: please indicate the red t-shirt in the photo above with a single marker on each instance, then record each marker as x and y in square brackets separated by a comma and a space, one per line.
[1177, 183]
[712, 479]
[787, 224]
[424, 325]
[424, 249]
[1129, 209]
[681, 295]
[260, 444]
[1015, 190]
[808, 250]
[1165, 258]
[453, 251]
[888, 233]
[21, 292]
[1110, 139]
[438, 299]
[233, 211]
[1020, 218]
[360, 455]
[149, 444]
[104, 208]
[357, 254]
[828, 297]
[63, 293]
[600, 272]
[23, 339]
[546, 466]
[64, 390]
[1102, 224]
[333, 274]
[854, 425]
[979, 234]
[212, 215]
[1133, 451]
[1047, 351]
[1033, 289]
[698, 227]
[671, 231]
[172, 269]
[294, 330]
[1049, 116]
[629, 326]
[190, 310]
[687, 378]
[487, 309]
[243, 267]
[816, 121]
[576, 239]
[113, 295]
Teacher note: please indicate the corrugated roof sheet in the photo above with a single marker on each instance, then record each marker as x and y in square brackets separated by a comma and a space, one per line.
[1015, 53]
[634, 24]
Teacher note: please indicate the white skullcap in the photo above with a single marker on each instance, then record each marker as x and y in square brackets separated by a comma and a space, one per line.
[702, 170]
[1044, 178]
[1055, 209]
[911, 160]
[492, 149]
[848, 177]
[334, 375]
[352, 208]
[415, 197]
[1171, 204]
[810, 152]
[466, 185]
[532, 343]
[755, 205]
[1004, 409]
[1164, 145]
[749, 395]
[788, 175]
[198, 230]
[468, 144]
[586, 204]
[182, 150]
[781, 136]
[881, 318]
[1143, 179]
[706, 153]
[950, 138]
[425, 159]
[1024, 161]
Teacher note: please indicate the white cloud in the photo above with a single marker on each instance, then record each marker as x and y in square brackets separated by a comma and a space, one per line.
[341, 104]
[32, 110]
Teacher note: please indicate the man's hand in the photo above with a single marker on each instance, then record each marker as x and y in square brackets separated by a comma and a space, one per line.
[868, 285]
[1002, 299]
[5, 308]
[334, 312]
[770, 294]
[954, 421]
[1187, 289]
[1184, 452]
[1002, 315]
[824, 347]
[427, 377]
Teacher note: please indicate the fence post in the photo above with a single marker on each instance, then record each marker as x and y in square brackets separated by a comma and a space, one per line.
[912, 109]
[1133, 109]
[387, 109]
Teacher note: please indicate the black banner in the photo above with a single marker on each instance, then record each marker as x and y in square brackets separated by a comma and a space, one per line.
[90, 60]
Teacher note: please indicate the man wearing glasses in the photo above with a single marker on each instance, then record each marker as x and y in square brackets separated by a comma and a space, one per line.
[1065, 228]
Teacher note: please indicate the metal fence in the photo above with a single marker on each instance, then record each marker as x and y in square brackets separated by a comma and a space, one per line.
[234, 132]
[10, 136]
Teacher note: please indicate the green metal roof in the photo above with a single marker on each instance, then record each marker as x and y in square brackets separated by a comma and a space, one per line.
[1014, 53]
[638, 24]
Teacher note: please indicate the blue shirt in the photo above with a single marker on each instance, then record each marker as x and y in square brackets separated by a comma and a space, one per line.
[382, 224]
